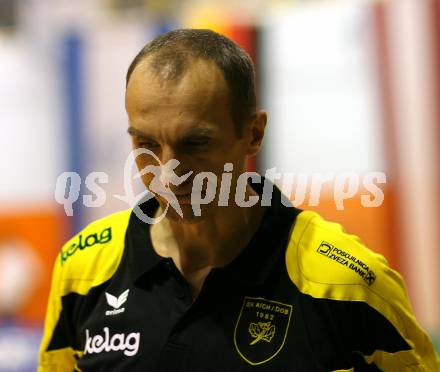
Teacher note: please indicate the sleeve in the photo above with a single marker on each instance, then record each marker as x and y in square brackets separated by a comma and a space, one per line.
[371, 301]
[56, 350]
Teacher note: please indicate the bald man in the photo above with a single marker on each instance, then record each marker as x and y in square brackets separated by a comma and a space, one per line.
[245, 282]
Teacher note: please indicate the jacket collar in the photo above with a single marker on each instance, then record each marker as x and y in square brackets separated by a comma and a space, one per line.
[251, 266]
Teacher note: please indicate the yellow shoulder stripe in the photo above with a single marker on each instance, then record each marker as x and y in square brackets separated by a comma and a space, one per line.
[87, 260]
[92, 256]
[323, 261]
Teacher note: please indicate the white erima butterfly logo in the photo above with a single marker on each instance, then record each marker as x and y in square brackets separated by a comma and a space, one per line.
[116, 302]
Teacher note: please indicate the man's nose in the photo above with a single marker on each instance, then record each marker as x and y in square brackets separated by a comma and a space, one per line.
[172, 164]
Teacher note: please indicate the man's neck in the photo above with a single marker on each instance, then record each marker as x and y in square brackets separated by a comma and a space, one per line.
[213, 241]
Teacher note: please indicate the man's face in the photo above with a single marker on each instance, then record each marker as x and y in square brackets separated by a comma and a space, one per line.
[188, 120]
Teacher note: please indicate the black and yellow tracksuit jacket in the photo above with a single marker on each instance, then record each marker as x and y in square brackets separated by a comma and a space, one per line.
[302, 296]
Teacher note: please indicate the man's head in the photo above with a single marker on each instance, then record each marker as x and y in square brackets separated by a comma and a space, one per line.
[190, 96]
[171, 54]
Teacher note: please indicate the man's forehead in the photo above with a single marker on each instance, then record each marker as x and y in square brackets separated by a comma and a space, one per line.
[200, 77]
[201, 95]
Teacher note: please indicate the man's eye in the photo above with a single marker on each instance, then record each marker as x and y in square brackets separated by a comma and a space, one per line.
[148, 144]
[197, 142]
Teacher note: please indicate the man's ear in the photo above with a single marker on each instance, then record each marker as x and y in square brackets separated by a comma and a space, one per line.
[255, 132]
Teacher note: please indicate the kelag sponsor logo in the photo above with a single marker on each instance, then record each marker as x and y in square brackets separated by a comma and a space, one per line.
[90, 240]
[348, 260]
[128, 344]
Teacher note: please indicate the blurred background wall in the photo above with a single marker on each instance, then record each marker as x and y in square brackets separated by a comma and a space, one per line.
[352, 89]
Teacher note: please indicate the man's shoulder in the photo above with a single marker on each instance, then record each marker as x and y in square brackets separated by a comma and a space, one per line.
[91, 256]
[324, 261]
